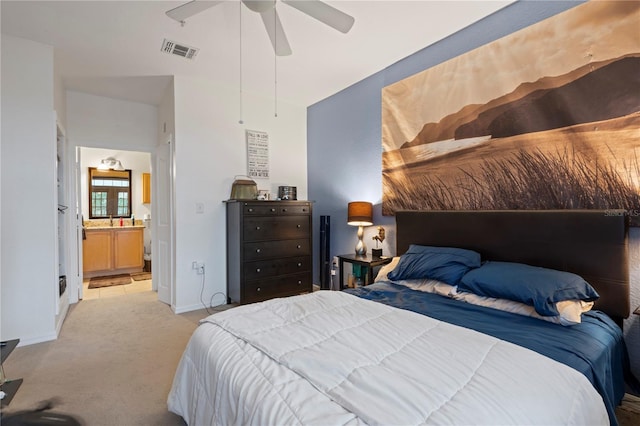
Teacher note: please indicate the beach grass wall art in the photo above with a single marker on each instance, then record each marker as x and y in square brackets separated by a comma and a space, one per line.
[545, 118]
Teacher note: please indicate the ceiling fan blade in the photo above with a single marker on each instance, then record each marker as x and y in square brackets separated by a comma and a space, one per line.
[189, 9]
[324, 13]
[276, 33]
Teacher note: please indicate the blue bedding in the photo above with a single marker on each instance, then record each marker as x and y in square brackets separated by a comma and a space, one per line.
[594, 347]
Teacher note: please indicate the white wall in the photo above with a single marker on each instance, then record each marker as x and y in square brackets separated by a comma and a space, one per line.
[210, 148]
[29, 211]
[100, 122]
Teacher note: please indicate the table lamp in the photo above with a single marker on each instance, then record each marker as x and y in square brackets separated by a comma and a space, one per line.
[360, 214]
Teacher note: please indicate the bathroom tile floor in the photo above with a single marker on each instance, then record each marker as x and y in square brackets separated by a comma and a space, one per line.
[118, 290]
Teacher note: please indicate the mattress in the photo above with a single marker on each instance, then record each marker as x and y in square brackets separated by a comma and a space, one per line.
[335, 358]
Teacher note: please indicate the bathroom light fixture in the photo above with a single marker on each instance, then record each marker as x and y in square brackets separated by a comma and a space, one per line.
[360, 213]
[110, 163]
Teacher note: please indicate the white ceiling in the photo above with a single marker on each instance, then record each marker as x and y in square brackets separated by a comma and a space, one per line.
[112, 48]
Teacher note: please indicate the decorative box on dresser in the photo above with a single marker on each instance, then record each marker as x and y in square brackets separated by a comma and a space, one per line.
[268, 250]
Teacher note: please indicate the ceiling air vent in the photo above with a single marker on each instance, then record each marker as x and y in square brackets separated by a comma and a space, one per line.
[173, 48]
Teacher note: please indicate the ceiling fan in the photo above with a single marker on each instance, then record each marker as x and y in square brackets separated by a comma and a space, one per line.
[267, 9]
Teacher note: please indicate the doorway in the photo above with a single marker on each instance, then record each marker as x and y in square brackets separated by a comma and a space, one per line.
[115, 245]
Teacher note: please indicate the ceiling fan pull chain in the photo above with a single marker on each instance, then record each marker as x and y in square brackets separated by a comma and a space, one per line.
[275, 65]
[241, 121]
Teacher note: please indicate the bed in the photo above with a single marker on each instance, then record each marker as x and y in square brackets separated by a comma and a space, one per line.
[396, 353]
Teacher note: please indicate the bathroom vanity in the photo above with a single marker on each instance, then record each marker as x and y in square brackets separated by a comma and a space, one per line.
[112, 250]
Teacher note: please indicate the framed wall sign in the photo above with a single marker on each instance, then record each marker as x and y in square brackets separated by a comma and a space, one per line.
[257, 154]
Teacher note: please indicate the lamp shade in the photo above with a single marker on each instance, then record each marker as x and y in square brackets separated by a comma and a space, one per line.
[360, 213]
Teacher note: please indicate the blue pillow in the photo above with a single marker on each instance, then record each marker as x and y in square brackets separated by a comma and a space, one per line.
[539, 287]
[446, 264]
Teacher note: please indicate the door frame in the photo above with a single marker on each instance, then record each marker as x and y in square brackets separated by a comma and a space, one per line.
[74, 286]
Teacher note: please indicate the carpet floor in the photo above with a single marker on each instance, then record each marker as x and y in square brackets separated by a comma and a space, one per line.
[113, 363]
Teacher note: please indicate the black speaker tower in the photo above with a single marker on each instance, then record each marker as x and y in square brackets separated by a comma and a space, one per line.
[325, 256]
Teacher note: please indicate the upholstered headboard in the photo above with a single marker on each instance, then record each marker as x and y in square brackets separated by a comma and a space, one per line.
[590, 243]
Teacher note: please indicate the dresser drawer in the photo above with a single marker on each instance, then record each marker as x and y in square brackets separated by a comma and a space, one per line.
[270, 228]
[255, 291]
[260, 209]
[271, 268]
[275, 249]
[295, 209]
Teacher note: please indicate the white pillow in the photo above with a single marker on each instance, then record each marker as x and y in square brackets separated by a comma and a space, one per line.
[385, 269]
[570, 310]
[429, 286]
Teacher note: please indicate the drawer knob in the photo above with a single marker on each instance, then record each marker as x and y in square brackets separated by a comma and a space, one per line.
[298, 226]
[273, 210]
[298, 246]
[299, 282]
[258, 270]
[258, 289]
[257, 250]
[257, 228]
[299, 264]
[250, 210]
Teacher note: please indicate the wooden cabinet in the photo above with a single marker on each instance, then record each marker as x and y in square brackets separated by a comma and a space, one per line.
[96, 251]
[146, 188]
[128, 248]
[268, 249]
[109, 251]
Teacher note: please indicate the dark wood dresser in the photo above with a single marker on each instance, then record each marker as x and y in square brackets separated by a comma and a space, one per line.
[268, 250]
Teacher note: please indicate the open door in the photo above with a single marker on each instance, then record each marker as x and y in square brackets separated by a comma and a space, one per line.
[162, 240]
[79, 223]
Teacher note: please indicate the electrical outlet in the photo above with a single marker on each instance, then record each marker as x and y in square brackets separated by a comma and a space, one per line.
[199, 267]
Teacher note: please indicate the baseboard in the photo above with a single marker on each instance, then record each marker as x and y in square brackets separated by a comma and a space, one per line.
[61, 317]
[37, 339]
[189, 308]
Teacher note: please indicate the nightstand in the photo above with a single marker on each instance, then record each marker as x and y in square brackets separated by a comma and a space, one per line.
[366, 263]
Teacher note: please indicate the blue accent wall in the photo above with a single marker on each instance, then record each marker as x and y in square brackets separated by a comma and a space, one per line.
[344, 151]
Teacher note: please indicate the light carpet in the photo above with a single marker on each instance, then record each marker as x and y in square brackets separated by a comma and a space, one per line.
[113, 363]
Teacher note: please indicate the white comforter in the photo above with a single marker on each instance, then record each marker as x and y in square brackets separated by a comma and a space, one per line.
[333, 358]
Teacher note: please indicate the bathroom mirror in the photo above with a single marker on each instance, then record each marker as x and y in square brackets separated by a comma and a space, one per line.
[109, 193]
